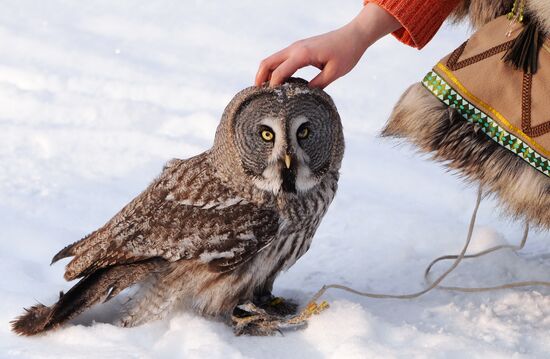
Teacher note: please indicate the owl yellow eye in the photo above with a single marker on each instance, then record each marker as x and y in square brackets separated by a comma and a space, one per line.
[303, 132]
[267, 135]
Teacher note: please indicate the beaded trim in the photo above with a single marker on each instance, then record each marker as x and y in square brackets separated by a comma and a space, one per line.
[442, 90]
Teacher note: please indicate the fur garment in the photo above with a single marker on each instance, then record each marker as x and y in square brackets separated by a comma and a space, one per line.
[480, 12]
[437, 129]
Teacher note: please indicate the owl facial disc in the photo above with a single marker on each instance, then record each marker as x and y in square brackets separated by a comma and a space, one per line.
[288, 165]
[284, 140]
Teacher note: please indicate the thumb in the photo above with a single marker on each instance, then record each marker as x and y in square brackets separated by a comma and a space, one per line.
[325, 77]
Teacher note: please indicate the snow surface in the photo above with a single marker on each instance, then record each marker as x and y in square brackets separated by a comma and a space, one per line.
[95, 96]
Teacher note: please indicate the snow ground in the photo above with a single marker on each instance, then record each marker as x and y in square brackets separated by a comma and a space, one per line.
[96, 96]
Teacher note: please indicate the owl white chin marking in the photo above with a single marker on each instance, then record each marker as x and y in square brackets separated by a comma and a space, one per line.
[271, 180]
[304, 180]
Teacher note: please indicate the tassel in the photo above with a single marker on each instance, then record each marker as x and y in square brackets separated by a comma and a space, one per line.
[524, 52]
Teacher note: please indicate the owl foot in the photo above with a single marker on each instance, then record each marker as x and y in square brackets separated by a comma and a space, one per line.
[248, 319]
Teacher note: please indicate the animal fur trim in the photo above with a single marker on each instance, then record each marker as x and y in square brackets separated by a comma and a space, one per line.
[441, 131]
[480, 12]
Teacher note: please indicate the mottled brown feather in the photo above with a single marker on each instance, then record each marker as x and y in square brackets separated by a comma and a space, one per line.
[171, 221]
[100, 286]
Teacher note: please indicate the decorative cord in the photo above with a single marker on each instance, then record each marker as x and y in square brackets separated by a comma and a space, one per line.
[436, 284]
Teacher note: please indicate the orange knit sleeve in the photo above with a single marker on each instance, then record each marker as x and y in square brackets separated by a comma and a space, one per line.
[420, 18]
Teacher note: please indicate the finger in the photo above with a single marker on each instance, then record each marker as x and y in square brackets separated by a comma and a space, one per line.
[325, 77]
[287, 69]
[268, 65]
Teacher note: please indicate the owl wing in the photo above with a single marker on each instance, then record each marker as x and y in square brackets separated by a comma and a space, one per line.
[186, 213]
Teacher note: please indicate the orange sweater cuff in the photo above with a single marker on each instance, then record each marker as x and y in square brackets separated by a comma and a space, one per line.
[420, 18]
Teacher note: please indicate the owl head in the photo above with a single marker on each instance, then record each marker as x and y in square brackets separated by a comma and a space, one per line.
[283, 140]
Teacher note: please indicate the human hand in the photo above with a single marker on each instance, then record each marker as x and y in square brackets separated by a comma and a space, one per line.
[335, 53]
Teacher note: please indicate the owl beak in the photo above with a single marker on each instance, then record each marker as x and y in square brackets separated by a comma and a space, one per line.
[288, 160]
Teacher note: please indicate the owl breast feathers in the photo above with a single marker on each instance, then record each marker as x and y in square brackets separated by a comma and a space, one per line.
[214, 230]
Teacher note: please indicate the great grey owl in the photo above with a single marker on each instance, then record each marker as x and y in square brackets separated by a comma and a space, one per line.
[213, 231]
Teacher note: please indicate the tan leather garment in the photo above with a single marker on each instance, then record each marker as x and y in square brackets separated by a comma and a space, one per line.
[511, 107]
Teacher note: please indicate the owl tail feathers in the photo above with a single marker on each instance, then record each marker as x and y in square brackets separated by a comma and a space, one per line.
[33, 321]
[98, 287]
[40, 318]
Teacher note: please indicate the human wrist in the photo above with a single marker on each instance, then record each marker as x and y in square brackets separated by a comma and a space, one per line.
[373, 23]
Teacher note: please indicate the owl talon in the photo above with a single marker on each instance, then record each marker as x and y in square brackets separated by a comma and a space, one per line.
[249, 319]
[276, 305]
